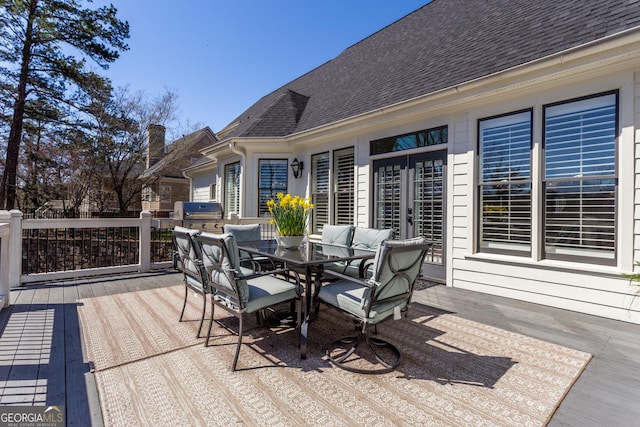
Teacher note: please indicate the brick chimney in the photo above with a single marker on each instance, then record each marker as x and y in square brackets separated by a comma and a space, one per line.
[155, 144]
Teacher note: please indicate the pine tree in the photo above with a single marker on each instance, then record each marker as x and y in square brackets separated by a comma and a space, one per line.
[38, 40]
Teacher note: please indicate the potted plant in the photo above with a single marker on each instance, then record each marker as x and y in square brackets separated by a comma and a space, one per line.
[290, 214]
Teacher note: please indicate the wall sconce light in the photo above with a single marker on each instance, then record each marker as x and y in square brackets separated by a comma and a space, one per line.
[296, 167]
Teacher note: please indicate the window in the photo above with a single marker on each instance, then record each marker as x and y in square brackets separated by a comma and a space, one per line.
[165, 193]
[578, 185]
[147, 193]
[272, 179]
[320, 191]
[505, 183]
[423, 138]
[580, 180]
[232, 188]
[332, 188]
[343, 181]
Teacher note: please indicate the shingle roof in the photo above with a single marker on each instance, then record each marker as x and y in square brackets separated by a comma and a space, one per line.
[442, 44]
[180, 153]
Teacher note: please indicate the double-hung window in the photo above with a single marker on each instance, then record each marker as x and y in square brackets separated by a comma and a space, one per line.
[505, 183]
[332, 188]
[232, 188]
[580, 179]
[272, 179]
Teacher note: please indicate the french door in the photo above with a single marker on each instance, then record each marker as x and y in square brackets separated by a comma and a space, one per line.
[409, 196]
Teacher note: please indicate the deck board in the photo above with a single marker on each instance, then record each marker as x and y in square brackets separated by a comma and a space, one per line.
[607, 393]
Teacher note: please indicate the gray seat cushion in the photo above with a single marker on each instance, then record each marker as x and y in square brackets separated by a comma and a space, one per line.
[266, 291]
[349, 296]
[255, 293]
[396, 266]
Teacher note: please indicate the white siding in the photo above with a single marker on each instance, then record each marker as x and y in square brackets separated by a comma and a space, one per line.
[200, 186]
[597, 290]
[363, 184]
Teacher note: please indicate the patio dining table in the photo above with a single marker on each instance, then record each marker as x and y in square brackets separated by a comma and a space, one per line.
[311, 257]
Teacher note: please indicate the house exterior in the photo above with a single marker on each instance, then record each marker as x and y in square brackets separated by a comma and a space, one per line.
[508, 132]
[163, 180]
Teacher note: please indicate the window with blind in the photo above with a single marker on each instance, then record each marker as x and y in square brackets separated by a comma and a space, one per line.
[343, 184]
[580, 179]
[272, 179]
[320, 179]
[232, 188]
[505, 183]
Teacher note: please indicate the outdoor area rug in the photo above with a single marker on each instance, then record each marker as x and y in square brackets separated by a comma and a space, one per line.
[151, 369]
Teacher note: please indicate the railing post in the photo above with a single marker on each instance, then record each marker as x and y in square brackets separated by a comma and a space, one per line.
[15, 241]
[11, 262]
[145, 241]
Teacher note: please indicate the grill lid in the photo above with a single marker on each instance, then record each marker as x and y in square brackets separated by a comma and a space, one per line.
[197, 210]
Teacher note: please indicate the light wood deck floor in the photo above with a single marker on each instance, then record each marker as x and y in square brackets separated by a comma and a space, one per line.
[42, 363]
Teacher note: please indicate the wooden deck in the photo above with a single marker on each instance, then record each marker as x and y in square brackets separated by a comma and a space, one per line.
[42, 361]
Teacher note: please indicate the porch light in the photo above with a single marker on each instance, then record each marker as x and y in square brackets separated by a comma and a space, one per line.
[296, 167]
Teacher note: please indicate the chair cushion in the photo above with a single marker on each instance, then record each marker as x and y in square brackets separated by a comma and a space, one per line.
[337, 234]
[370, 238]
[222, 274]
[268, 290]
[243, 232]
[349, 297]
[188, 251]
[394, 285]
[194, 283]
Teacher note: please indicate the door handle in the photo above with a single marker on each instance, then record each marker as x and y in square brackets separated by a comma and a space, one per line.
[410, 216]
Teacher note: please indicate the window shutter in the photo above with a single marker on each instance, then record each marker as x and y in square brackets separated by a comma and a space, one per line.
[320, 191]
[344, 186]
[232, 188]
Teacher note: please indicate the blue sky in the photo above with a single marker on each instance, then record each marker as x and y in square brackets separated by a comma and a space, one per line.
[220, 56]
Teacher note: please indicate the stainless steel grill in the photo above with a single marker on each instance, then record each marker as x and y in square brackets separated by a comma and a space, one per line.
[208, 216]
[197, 210]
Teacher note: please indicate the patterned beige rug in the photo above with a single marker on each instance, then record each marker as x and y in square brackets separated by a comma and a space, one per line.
[151, 370]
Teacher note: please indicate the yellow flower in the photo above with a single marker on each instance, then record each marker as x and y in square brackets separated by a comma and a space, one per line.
[290, 214]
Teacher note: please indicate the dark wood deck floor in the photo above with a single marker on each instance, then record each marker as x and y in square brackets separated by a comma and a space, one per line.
[41, 359]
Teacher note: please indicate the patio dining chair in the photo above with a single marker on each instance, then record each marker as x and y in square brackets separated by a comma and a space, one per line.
[368, 239]
[237, 293]
[193, 274]
[386, 295]
[338, 235]
[249, 233]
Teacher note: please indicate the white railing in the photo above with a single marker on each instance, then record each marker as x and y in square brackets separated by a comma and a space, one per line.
[37, 250]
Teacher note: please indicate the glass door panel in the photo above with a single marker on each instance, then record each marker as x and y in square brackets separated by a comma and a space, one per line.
[409, 196]
[428, 211]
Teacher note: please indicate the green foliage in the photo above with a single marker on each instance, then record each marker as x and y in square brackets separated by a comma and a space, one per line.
[44, 48]
[634, 278]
